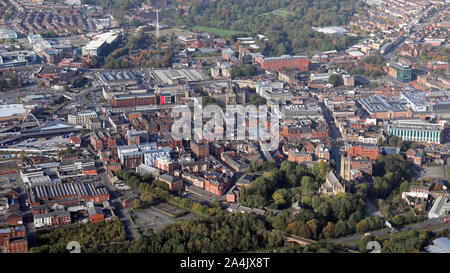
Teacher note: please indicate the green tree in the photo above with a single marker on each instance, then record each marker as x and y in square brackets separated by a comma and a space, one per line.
[398, 220]
[23, 156]
[394, 141]
[335, 80]
[280, 197]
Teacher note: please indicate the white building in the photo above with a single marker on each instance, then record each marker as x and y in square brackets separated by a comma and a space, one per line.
[42, 220]
[99, 42]
[152, 154]
[440, 208]
[7, 34]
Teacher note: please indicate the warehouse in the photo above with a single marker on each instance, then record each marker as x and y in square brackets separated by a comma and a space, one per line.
[86, 192]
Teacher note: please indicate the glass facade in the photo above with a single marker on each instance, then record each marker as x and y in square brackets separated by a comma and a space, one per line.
[427, 135]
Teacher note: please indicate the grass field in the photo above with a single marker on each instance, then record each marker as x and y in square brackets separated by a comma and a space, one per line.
[218, 31]
[173, 30]
[280, 12]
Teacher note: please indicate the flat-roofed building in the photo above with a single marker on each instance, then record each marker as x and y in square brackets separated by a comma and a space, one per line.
[400, 71]
[96, 46]
[285, 61]
[386, 108]
[6, 33]
[416, 130]
[441, 207]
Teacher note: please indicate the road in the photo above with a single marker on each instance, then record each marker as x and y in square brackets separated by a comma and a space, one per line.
[119, 210]
[391, 54]
[421, 225]
[335, 136]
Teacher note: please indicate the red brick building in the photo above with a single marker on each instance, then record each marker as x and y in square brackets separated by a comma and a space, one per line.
[370, 152]
[175, 183]
[96, 215]
[68, 193]
[285, 61]
[201, 150]
[164, 164]
[133, 100]
[299, 157]
[216, 186]
[61, 218]
[132, 160]
[14, 239]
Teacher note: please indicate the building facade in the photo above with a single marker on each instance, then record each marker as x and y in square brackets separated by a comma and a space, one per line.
[416, 130]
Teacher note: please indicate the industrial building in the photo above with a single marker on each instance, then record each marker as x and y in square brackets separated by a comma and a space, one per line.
[440, 208]
[12, 111]
[386, 108]
[117, 78]
[415, 102]
[176, 76]
[68, 192]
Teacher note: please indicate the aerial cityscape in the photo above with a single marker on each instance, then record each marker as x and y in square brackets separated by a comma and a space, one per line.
[207, 126]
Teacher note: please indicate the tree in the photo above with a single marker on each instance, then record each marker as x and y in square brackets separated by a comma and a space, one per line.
[335, 80]
[313, 225]
[281, 49]
[398, 220]
[362, 226]
[299, 229]
[256, 99]
[23, 156]
[249, 70]
[394, 141]
[328, 230]
[308, 185]
[137, 204]
[279, 197]
[362, 245]
[340, 229]
[320, 171]
[146, 197]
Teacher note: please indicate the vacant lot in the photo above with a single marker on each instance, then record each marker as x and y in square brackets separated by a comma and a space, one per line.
[169, 209]
[432, 172]
[150, 218]
[217, 31]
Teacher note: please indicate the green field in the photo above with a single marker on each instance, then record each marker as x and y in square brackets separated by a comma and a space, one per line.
[280, 12]
[218, 31]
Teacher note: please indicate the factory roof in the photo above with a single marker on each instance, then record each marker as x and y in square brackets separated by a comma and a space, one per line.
[12, 110]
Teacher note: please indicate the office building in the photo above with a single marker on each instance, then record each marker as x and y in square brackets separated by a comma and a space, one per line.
[416, 130]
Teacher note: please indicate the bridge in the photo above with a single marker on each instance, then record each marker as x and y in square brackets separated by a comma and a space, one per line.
[291, 238]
